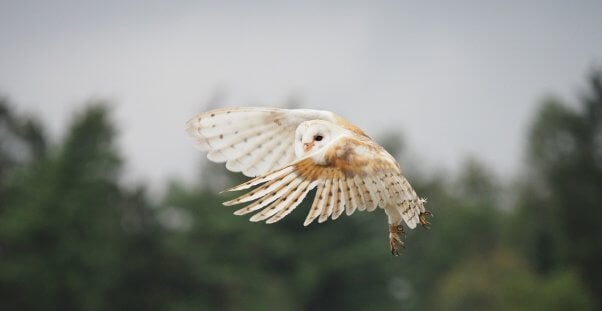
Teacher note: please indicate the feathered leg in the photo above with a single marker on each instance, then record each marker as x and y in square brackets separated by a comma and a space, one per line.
[395, 230]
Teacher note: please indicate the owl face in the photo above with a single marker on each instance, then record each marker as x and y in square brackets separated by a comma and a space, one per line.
[311, 136]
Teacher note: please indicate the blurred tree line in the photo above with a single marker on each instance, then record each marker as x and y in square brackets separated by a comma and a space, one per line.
[73, 237]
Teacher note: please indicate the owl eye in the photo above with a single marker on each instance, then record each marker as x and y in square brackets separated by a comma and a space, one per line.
[318, 137]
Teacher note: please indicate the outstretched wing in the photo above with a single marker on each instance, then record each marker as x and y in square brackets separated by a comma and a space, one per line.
[351, 173]
[254, 141]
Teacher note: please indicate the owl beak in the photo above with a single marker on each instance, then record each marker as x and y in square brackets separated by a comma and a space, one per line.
[307, 147]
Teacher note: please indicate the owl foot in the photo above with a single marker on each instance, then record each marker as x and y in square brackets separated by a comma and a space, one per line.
[422, 217]
[395, 241]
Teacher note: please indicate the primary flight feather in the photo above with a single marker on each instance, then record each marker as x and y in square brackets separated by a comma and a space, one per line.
[289, 152]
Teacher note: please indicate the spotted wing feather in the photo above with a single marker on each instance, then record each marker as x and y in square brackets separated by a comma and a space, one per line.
[353, 173]
[251, 140]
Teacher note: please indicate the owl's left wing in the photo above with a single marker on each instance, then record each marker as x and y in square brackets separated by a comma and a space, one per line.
[351, 173]
[254, 140]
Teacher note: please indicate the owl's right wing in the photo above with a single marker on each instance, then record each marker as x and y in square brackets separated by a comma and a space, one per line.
[351, 173]
[251, 140]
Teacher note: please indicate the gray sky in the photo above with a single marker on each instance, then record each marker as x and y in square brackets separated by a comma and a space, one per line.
[458, 78]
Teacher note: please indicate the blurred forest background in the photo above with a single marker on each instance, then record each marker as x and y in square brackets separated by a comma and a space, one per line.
[73, 236]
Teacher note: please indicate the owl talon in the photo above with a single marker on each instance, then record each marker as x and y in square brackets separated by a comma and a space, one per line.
[422, 217]
[395, 241]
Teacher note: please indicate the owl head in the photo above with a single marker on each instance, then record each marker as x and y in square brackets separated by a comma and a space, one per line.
[312, 136]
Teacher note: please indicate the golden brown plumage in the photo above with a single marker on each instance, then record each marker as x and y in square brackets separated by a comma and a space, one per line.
[322, 150]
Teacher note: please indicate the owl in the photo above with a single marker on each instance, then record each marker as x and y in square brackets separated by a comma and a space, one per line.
[289, 152]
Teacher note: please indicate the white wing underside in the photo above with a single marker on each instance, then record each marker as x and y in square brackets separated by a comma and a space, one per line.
[253, 141]
[276, 194]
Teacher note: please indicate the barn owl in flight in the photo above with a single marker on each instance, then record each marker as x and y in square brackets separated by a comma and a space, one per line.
[290, 152]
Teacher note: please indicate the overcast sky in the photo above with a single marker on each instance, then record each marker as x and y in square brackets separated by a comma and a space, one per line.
[456, 78]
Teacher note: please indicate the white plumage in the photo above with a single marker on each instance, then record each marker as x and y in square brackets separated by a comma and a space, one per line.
[291, 152]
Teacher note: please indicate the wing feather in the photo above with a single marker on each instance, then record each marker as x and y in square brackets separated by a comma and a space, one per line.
[328, 201]
[307, 187]
[371, 191]
[361, 191]
[260, 160]
[317, 205]
[261, 179]
[247, 150]
[228, 135]
[286, 155]
[339, 205]
[382, 191]
[351, 174]
[266, 188]
[292, 190]
[352, 201]
[274, 195]
[273, 161]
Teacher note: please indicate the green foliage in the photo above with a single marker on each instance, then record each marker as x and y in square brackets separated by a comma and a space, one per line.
[566, 156]
[241, 263]
[22, 141]
[73, 237]
[500, 280]
[60, 226]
